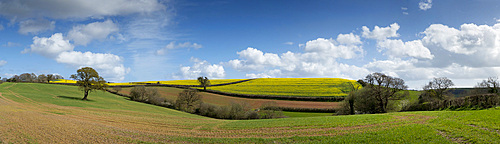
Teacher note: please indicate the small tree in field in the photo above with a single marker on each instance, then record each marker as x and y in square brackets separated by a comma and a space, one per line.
[204, 82]
[88, 80]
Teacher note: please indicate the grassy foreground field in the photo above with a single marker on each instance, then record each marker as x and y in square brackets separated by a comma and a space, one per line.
[288, 87]
[172, 93]
[43, 113]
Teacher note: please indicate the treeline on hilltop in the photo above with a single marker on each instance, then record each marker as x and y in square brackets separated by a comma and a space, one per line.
[32, 77]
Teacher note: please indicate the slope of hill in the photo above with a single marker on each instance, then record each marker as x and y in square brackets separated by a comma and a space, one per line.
[172, 93]
[289, 87]
[43, 113]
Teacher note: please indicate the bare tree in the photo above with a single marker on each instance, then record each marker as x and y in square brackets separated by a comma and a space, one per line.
[384, 88]
[437, 87]
[491, 84]
[89, 80]
[204, 82]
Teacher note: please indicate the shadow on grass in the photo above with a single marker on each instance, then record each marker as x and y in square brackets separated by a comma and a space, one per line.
[73, 98]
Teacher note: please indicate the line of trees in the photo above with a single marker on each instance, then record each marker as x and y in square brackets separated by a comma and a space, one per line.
[33, 78]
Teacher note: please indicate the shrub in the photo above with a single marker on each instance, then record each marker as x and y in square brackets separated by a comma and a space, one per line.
[188, 101]
[139, 94]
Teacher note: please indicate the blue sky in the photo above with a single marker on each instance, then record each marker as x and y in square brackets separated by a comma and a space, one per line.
[127, 40]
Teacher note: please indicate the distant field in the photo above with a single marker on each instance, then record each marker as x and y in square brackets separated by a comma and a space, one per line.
[288, 87]
[44, 113]
[172, 93]
[195, 82]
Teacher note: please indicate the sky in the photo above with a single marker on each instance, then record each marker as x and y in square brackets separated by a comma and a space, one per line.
[129, 40]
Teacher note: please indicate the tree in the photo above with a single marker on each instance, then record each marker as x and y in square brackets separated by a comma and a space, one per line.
[491, 84]
[50, 77]
[88, 80]
[384, 88]
[188, 101]
[350, 88]
[41, 78]
[438, 86]
[204, 82]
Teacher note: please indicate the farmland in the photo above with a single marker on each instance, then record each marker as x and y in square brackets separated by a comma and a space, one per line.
[43, 113]
[288, 87]
[171, 94]
[195, 82]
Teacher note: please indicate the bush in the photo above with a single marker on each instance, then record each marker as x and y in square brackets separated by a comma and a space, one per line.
[139, 94]
[188, 101]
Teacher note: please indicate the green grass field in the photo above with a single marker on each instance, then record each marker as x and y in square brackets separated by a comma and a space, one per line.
[288, 87]
[44, 113]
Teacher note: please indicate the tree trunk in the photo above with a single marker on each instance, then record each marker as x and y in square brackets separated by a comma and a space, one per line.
[85, 95]
[205, 88]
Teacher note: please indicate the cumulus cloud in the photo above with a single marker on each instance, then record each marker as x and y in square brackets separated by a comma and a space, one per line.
[56, 47]
[172, 46]
[318, 59]
[425, 4]
[50, 47]
[398, 48]
[288, 43]
[109, 65]
[381, 33]
[3, 62]
[35, 26]
[201, 68]
[471, 45]
[62, 9]
[83, 34]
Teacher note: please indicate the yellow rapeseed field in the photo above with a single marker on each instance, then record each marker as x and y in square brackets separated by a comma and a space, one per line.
[195, 82]
[288, 87]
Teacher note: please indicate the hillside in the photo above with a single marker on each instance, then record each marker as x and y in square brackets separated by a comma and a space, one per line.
[43, 113]
[289, 87]
[172, 93]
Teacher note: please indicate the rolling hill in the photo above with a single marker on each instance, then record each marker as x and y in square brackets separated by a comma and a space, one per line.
[44, 113]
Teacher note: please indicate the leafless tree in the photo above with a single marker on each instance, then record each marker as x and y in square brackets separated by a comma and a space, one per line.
[491, 84]
[438, 86]
[384, 88]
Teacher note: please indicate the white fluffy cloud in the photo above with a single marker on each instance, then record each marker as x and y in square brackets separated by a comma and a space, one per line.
[83, 34]
[471, 45]
[425, 4]
[62, 9]
[398, 48]
[110, 66]
[172, 46]
[201, 68]
[379, 33]
[58, 48]
[50, 47]
[319, 59]
[3, 62]
[35, 26]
